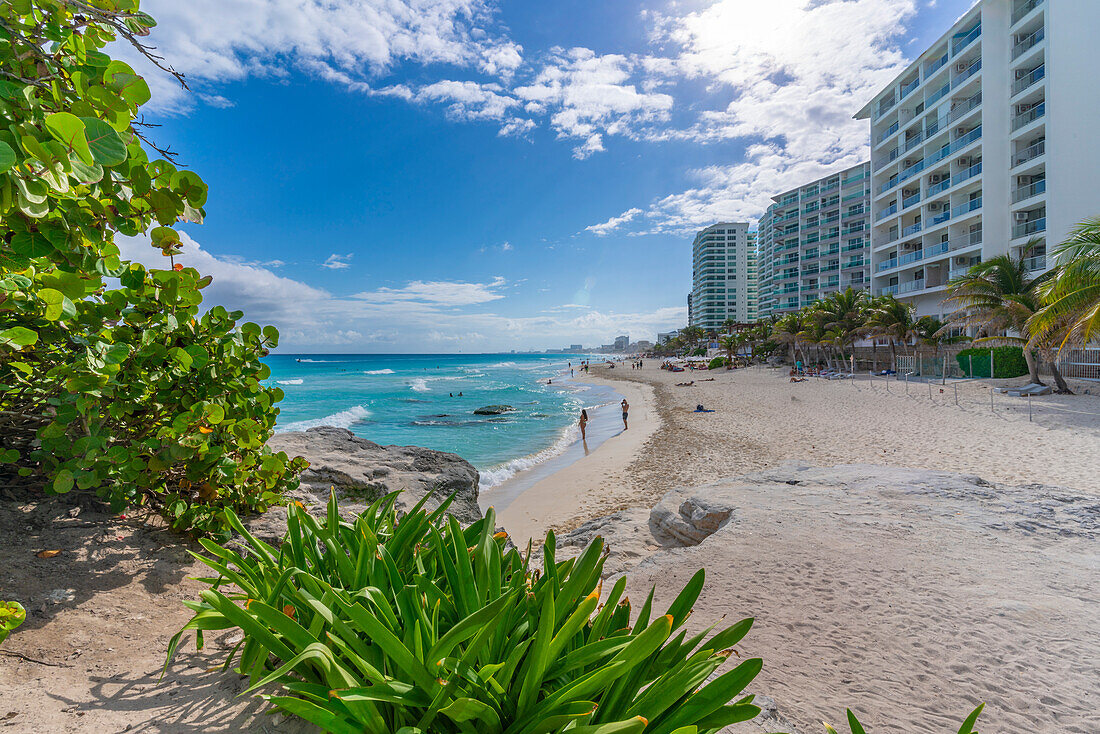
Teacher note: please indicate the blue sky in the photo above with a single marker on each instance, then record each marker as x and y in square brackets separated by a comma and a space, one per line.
[404, 175]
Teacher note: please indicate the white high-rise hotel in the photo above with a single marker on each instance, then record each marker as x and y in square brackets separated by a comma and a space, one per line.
[723, 273]
[988, 140]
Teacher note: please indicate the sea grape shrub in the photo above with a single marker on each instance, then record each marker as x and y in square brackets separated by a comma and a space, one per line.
[111, 377]
[12, 614]
[1008, 361]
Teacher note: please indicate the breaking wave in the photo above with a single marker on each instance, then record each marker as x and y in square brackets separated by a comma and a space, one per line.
[299, 381]
[378, 372]
[501, 473]
[343, 419]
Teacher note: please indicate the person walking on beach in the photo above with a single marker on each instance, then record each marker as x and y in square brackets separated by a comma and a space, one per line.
[626, 410]
[583, 422]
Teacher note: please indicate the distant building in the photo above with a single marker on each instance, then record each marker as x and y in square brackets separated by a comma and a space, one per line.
[815, 240]
[667, 336]
[576, 348]
[723, 275]
[642, 345]
[621, 343]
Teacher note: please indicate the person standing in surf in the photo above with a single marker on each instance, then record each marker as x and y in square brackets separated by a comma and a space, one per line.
[626, 410]
[583, 422]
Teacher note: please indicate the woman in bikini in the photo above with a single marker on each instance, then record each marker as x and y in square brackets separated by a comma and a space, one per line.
[583, 422]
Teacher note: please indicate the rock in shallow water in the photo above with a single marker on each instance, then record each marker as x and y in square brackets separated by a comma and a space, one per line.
[494, 410]
[361, 471]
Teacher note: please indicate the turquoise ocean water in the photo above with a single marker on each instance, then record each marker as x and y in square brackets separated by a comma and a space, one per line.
[415, 400]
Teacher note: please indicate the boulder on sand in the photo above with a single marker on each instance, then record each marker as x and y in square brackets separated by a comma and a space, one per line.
[494, 410]
[361, 471]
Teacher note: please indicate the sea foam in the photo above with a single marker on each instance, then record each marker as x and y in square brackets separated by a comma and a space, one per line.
[501, 473]
[378, 372]
[343, 419]
[419, 385]
[290, 382]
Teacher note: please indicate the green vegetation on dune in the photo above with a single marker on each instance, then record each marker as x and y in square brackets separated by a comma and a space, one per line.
[416, 625]
[111, 377]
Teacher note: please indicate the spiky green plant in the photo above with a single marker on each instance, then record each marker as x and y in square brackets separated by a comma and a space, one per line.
[966, 728]
[416, 625]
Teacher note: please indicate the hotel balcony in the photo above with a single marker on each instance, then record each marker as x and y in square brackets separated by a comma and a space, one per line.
[1023, 9]
[1023, 193]
[1030, 227]
[1028, 42]
[1024, 119]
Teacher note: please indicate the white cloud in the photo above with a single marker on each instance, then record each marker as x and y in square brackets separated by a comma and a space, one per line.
[593, 95]
[506, 247]
[337, 262]
[794, 72]
[437, 293]
[224, 40]
[605, 228]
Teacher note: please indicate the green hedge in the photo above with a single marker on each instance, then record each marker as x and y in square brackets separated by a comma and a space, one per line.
[716, 363]
[1007, 361]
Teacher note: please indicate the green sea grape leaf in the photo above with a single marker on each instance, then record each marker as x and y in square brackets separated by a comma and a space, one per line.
[63, 481]
[31, 244]
[68, 129]
[105, 144]
[18, 336]
[54, 300]
[8, 157]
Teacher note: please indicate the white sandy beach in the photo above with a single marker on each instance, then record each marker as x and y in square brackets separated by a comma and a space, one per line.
[900, 609]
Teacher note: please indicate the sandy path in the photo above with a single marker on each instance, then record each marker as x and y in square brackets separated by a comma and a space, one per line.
[762, 420]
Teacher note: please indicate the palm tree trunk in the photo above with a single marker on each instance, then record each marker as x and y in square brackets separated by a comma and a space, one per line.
[1032, 366]
[893, 355]
[1060, 381]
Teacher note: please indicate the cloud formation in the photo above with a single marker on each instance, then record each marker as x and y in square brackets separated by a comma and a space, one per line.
[781, 78]
[337, 262]
[419, 316]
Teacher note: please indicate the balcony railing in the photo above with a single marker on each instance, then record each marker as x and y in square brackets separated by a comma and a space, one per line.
[888, 132]
[856, 263]
[936, 66]
[1026, 192]
[1023, 9]
[855, 195]
[936, 96]
[910, 257]
[964, 108]
[1039, 262]
[906, 203]
[911, 229]
[1030, 116]
[886, 104]
[936, 249]
[910, 286]
[970, 71]
[1030, 152]
[888, 264]
[1028, 42]
[962, 42]
[1028, 228]
[941, 218]
[890, 290]
[851, 248]
[907, 88]
[1024, 82]
[892, 209]
[966, 208]
[936, 188]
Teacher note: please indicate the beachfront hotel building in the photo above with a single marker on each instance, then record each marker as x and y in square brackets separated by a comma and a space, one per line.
[983, 144]
[723, 273]
[815, 240]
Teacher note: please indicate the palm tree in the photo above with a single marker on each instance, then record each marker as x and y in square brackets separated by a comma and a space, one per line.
[888, 317]
[999, 296]
[691, 335]
[786, 330]
[1070, 315]
[730, 344]
[844, 318]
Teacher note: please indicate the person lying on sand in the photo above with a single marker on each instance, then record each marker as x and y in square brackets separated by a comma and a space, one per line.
[700, 409]
[707, 379]
[798, 379]
[686, 384]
